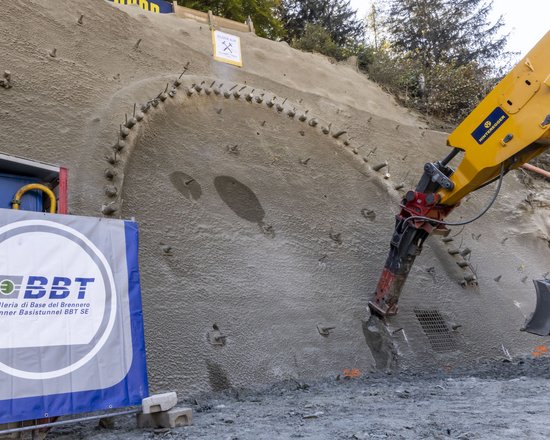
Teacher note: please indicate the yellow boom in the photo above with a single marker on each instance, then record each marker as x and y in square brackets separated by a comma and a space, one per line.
[511, 125]
[506, 130]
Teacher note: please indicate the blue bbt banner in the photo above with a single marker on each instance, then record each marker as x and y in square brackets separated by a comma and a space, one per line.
[70, 311]
[157, 6]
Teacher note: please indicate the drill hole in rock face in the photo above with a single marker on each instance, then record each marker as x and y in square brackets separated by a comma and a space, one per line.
[186, 185]
[240, 199]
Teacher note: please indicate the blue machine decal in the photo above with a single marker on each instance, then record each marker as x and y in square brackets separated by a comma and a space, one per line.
[71, 315]
[488, 127]
[157, 6]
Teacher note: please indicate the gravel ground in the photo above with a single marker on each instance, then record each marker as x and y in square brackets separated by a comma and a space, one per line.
[496, 401]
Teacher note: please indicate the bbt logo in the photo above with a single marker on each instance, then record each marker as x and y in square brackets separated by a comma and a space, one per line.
[38, 287]
[10, 286]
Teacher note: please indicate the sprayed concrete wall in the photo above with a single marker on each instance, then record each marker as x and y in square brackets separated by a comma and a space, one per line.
[264, 226]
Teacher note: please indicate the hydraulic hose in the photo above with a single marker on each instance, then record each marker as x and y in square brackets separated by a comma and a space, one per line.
[16, 202]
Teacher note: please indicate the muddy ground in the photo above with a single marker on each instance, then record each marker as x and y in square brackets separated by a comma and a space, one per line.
[499, 400]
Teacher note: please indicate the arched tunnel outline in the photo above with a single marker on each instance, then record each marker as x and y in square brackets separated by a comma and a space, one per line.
[133, 129]
[128, 137]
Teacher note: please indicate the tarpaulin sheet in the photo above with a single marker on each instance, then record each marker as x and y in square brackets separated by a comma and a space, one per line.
[71, 324]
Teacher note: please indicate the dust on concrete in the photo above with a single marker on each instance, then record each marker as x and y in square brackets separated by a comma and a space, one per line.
[186, 185]
[505, 400]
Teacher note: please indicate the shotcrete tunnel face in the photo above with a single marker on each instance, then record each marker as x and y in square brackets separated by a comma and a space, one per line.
[239, 198]
[186, 185]
[272, 228]
[268, 288]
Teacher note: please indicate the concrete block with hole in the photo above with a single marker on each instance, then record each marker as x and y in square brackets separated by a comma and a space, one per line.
[174, 418]
[159, 402]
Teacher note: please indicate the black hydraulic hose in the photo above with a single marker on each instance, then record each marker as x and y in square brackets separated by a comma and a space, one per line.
[481, 214]
[450, 156]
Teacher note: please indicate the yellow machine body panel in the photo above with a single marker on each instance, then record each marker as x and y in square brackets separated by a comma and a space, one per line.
[511, 125]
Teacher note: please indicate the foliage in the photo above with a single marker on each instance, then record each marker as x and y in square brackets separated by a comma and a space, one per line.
[262, 12]
[445, 31]
[366, 57]
[438, 56]
[454, 90]
[449, 91]
[317, 39]
[337, 17]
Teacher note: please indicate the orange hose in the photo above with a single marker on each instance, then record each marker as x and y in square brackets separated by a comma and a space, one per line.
[534, 169]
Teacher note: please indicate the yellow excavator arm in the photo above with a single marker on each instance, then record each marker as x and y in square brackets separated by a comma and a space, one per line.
[507, 129]
[510, 126]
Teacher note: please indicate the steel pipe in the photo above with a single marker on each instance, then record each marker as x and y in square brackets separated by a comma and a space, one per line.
[67, 422]
[534, 169]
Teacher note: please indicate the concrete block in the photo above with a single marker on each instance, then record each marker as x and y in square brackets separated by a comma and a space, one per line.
[145, 421]
[159, 402]
[174, 418]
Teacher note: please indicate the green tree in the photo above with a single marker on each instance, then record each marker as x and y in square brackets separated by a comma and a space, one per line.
[373, 25]
[336, 16]
[438, 56]
[446, 31]
[317, 39]
[262, 12]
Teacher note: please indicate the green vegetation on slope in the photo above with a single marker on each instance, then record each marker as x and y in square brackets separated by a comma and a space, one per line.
[262, 12]
[439, 57]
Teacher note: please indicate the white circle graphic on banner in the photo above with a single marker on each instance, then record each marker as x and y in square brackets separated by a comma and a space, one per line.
[57, 293]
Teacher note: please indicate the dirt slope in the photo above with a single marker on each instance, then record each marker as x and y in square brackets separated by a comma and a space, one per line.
[261, 223]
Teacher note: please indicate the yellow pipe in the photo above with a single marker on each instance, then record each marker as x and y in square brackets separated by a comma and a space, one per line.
[19, 194]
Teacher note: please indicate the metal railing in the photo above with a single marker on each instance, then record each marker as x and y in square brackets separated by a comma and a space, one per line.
[68, 421]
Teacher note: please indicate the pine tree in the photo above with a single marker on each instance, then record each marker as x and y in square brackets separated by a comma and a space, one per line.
[446, 31]
[374, 26]
[439, 56]
[336, 16]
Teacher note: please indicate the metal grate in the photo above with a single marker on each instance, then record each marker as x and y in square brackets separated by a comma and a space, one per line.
[436, 329]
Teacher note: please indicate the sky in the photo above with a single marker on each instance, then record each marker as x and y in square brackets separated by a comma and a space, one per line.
[526, 20]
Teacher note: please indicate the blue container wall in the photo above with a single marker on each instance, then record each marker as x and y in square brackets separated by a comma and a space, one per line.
[9, 185]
